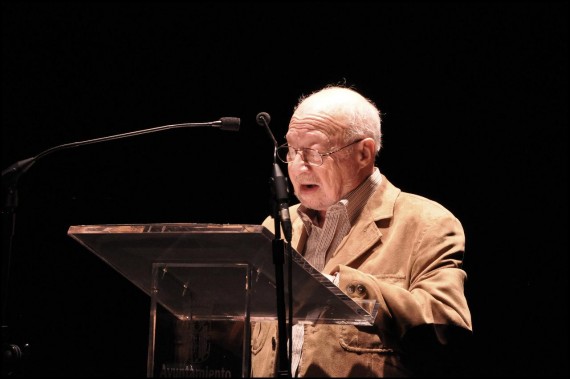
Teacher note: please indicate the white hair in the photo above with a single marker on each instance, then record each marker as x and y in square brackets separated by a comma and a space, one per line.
[362, 116]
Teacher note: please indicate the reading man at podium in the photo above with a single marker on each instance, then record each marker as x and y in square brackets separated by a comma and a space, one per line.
[374, 241]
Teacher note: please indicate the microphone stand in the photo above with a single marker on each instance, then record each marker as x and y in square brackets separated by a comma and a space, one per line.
[280, 193]
[281, 220]
[12, 354]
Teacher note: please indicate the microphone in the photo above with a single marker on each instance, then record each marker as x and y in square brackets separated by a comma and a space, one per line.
[14, 171]
[279, 181]
[263, 119]
[225, 123]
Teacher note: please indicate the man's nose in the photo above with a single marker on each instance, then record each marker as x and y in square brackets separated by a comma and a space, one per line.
[299, 163]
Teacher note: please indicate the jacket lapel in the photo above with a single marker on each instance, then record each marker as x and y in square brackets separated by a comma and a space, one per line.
[351, 247]
[365, 232]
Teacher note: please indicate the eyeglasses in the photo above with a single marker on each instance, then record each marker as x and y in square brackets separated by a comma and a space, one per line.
[288, 153]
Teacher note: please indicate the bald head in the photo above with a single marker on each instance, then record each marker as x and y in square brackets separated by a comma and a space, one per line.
[339, 112]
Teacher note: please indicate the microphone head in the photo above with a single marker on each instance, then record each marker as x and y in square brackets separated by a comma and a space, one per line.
[263, 118]
[230, 123]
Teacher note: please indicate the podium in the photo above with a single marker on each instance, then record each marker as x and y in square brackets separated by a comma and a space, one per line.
[206, 283]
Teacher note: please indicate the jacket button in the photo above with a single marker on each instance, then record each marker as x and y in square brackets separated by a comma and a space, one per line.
[350, 288]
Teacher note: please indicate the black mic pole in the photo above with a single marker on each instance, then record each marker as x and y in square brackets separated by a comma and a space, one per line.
[12, 353]
[281, 219]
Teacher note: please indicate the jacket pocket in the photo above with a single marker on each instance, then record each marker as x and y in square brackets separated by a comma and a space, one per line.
[362, 340]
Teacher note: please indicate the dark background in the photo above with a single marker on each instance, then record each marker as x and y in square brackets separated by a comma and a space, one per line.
[474, 97]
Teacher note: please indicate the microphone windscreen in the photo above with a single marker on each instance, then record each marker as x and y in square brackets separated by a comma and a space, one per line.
[263, 118]
[230, 123]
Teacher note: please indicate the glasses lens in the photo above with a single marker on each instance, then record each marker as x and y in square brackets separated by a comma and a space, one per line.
[312, 157]
[287, 154]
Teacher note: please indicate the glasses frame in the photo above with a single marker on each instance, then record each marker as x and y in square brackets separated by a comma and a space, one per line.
[304, 149]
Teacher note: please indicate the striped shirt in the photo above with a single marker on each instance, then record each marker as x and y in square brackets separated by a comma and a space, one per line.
[322, 242]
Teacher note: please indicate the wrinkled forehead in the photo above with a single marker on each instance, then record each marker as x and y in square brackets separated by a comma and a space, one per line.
[320, 126]
[324, 113]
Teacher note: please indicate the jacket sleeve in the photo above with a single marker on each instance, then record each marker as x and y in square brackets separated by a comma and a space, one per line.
[432, 294]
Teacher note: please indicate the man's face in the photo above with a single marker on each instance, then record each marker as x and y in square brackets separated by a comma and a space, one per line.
[318, 187]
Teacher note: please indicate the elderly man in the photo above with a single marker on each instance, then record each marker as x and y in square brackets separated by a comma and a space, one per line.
[373, 240]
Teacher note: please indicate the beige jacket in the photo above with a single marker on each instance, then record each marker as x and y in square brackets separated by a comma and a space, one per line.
[405, 251]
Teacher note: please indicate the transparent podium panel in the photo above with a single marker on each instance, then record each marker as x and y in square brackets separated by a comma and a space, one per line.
[206, 337]
[197, 349]
[205, 277]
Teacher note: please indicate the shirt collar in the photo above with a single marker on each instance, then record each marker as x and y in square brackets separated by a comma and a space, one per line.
[353, 202]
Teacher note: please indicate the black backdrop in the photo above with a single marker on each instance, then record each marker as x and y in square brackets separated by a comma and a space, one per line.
[474, 97]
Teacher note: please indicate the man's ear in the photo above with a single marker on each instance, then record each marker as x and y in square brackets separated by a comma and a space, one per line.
[368, 150]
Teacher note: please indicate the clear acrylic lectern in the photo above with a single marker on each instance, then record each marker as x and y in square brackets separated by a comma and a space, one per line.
[206, 283]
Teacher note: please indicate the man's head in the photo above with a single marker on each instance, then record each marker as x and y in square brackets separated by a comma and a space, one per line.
[327, 121]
